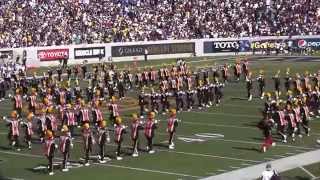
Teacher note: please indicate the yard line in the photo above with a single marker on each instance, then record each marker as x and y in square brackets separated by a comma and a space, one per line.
[302, 151]
[246, 164]
[148, 170]
[221, 170]
[234, 167]
[226, 114]
[110, 165]
[281, 156]
[217, 125]
[250, 142]
[308, 172]
[11, 178]
[269, 159]
[290, 153]
[207, 155]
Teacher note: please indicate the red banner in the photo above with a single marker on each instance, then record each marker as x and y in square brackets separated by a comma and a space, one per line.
[53, 54]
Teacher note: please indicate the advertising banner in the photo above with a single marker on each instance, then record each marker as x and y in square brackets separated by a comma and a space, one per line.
[90, 52]
[226, 46]
[6, 54]
[152, 49]
[53, 54]
[313, 43]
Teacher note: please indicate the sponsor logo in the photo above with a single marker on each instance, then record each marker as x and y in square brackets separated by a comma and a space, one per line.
[94, 52]
[313, 43]
[6, 54]
[302, 43]
[53, 54]
[152, 49]
[226, 44]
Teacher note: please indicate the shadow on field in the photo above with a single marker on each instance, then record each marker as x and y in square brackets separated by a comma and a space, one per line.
[239, 98]
[247, 149]
[42, 169]
[5, 148]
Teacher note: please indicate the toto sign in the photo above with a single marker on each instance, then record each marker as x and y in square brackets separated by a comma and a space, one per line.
[221, 46]
[226, 45]
[53, 54]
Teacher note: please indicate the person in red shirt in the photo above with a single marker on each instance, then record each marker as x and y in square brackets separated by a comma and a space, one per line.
[13, 135]
[28, 129]
[171, 129]
[103, 137]
[49, 148]
[135, 127]
[65, 146]
[149, 129]
[119, 131]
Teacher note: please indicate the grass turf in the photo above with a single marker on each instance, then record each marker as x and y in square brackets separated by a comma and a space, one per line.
[235, 119]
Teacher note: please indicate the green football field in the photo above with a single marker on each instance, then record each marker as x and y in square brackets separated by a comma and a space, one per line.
[209, 142]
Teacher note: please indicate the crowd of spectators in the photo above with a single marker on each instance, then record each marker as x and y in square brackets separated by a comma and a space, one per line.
[60, 22]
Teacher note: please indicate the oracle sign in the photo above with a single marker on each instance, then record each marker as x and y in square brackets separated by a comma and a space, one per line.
[53, 54]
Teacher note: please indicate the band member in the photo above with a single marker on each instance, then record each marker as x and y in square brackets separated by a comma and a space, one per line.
[262, 83]
[17, 99]
[245, 67]
[172, 125]
[224, 73]
[237, 70]
[32, 100]
[190, 99]
[291, 121]
[304, 110]
[103, 137]
[135, 127]
[149, 129]
[280, 119]
[97, 115]
[266, 125]
[164, 102]
[88, 141]
[49, 148]
[13, 135]
[276, 79]
[179, 100]
[28, 129]
[69, 119]
[65, 146]
[42, 127]
[114, 109]
[51, 121]
[249, 85]
[142, 103]
[119, 131]
[83, 114]
[154, 101]
[287, 80]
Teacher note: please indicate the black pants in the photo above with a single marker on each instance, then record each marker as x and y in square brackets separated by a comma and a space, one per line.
[171, 135]
[15, 139]
[102, 148]
[65, 160]
[2, 93]
[135, 145]
[50, 164]
[119, 148]
[88, 150]
[150, 143]
[305, 125]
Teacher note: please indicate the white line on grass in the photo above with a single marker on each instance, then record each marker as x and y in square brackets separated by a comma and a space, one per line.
[246, 164]
[269, 159]
[148, 170]
[110, 165]
[226, 114]
[221, 170]
[234, 167]
[280, 156]
[308, 172]
[290, 153]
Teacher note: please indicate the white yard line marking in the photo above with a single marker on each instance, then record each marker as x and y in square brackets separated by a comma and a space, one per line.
[213, 156]
[269, 159]
[148, 170]
[226, 114]
[111, 165]
[280, 156]
[12, 178]
[299, 150]
[290, 153]
[218, 125]
[234, 167]
[221, 170]
[246, 164]
[308, 172]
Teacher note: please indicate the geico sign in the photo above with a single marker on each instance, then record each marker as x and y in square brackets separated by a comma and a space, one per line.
[226, 45]
[259, 45]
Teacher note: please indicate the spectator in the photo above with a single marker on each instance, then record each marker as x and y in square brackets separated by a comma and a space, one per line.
[61, 22]
[269, 174]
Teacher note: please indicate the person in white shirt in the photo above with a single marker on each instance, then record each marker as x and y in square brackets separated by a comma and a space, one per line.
[268, 173]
